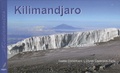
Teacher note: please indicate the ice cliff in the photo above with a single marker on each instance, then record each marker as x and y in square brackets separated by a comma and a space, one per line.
[76, 39]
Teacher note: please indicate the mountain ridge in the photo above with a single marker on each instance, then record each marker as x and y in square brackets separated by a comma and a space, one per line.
[65, 26]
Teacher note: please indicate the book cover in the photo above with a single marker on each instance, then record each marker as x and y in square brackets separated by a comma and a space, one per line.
[59, 36]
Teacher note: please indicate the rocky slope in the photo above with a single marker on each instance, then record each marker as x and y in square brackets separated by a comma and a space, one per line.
[76, 39]
[102, 58]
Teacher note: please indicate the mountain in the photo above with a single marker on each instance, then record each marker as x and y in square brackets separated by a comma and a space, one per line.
[76, 39]
[64, 26]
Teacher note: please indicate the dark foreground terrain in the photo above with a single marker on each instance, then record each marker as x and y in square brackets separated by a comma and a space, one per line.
[103, 58]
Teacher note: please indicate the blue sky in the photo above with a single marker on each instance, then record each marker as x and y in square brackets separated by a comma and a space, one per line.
[95, 13]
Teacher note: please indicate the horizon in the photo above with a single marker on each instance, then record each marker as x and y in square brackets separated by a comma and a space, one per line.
[95, 14]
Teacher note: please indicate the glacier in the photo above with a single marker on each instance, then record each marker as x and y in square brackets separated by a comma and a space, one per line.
[64, 40]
